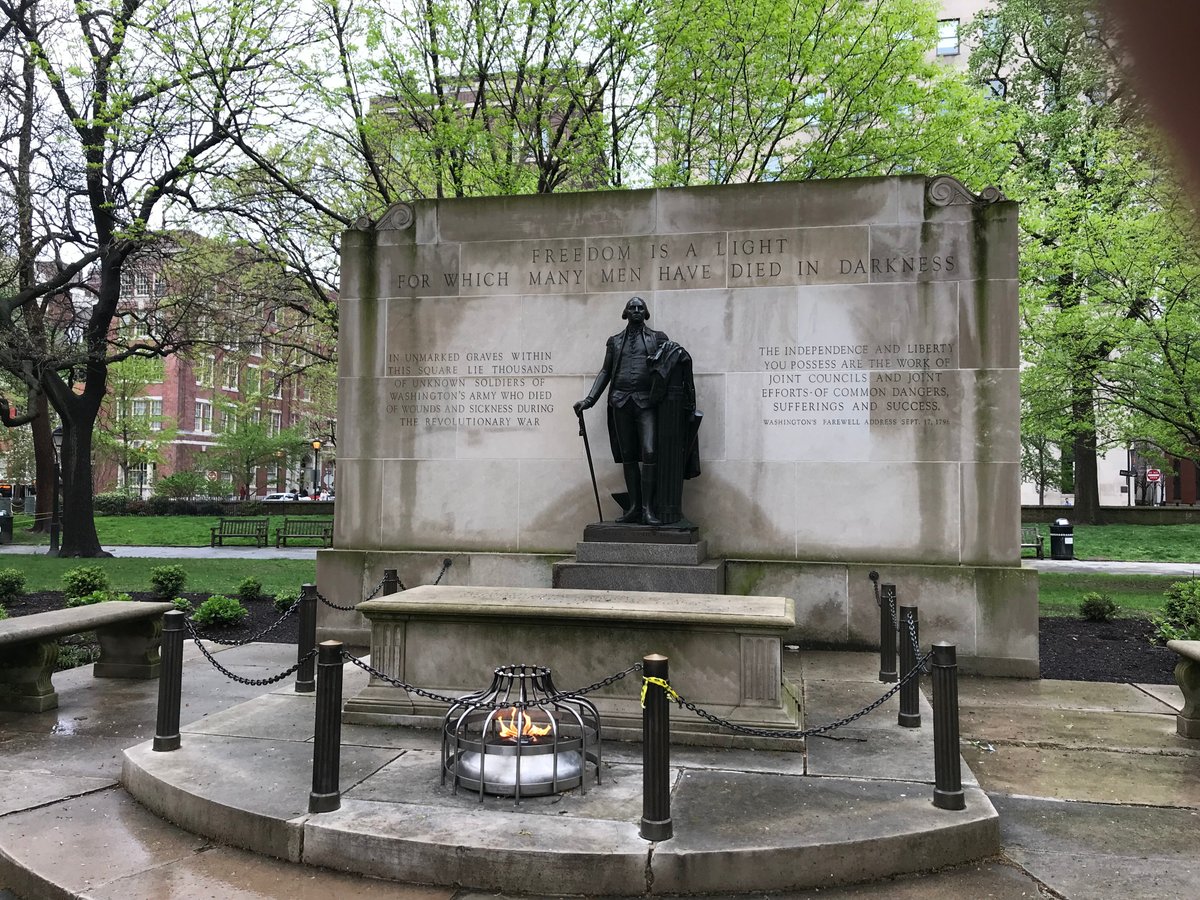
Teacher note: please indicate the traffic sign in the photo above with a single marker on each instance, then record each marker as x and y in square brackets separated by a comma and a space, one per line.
[1153, 475]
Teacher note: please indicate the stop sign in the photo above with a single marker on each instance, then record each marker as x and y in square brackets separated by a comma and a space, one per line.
[1153, 475]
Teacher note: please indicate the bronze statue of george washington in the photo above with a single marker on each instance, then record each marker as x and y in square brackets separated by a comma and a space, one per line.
[652, 416]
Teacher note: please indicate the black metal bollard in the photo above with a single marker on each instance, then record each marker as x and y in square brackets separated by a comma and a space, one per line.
[887, 634]
[326, 794]
[308, 639]
[170, 683]
[656, 754]
[910, 692]
[947, 764]
[391, 583]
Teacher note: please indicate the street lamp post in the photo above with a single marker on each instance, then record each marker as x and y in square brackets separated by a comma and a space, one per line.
[57, 437]
[316, 480]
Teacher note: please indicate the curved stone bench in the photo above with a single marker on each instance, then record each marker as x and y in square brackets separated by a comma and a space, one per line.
[1187, 676]
[129, 633]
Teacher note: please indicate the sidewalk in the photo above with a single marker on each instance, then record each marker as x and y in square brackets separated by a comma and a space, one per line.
[1098, 797]
[1107, 567]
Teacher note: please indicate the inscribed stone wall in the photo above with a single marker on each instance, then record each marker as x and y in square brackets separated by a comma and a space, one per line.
[855, 353]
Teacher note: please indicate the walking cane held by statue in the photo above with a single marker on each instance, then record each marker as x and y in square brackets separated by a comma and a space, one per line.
[591, 468]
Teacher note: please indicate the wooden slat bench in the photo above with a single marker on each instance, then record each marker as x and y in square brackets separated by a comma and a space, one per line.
[1187, 676]
[129, 633]
[253, 528]
[1031, 537]
[305, 528]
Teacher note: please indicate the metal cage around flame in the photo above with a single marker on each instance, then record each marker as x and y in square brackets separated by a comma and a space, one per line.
[556, 737]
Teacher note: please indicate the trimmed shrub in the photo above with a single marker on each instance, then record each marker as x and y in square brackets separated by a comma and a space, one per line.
[3, 612]
[1180, 618]
[158, 506]
[183, 604]
[284, 600]
[1097, 607]
[12, 584]
[111, 504]
[84, 580]
[97, 597]
[249, 589]
[167, 581]
[251, 508]
[219, 611]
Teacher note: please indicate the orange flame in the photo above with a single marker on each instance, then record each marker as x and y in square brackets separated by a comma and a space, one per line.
[519, 724]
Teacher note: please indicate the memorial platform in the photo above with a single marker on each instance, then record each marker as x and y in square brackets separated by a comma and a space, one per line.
[852, 807]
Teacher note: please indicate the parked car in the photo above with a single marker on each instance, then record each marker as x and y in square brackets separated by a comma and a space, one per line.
[279, 498]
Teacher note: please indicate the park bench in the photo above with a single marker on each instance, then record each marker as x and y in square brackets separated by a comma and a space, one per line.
[129, 633]
[252, 528]
[1031, 537]
[305, 528]
[1187, 676]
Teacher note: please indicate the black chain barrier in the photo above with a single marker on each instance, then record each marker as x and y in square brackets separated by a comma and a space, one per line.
[816, 730]
[450, 701]
[250, 640]
[379, 587]
[922, 663]
[253, 682]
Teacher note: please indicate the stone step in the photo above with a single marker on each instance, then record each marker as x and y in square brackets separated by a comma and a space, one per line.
[641, 554]
[707, 577]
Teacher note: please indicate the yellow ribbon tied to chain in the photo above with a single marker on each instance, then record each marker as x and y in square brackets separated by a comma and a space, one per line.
[648, 680]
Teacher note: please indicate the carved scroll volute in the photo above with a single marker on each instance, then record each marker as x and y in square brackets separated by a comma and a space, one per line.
[945, 190]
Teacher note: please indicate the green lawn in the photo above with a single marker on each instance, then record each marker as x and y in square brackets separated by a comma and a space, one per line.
[142, 531]
[214, 576]
[1146, 543]
[1137, 595]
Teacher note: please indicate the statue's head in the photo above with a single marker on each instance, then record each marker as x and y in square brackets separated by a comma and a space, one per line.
[636, 306]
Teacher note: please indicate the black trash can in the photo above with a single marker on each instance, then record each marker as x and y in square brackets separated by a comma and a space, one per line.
[1062, 540]
[6, 522]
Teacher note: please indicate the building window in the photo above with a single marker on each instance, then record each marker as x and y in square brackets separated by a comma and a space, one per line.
[205, 370]
[229, 375]
[998, 88]
[141, 283]
[947, 44]
[276, 385]
[252, 381]
[204, 417]
[149, 409]
[276, 424]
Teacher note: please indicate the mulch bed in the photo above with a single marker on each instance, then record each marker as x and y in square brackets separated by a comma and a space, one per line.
[1071, 649]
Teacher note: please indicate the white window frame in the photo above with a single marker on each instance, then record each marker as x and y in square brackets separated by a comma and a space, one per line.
[204, 413]
[949, 39]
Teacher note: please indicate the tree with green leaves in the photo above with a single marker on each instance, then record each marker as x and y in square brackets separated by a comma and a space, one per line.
[140, 101]
[1055, 67]
[130, 430]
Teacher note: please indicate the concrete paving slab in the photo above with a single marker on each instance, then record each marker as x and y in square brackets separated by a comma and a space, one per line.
[974, 691]
[994, 880]
[247, 790]
[286, 717]
[415, 778]
[1170, 694]
[842, 831]
[87, 841]
[1092, 775]
[776, 761]
[1072, 729]
[29, 788]
[401, 737]
[224, 873]
[475, 847]
[1103, 851]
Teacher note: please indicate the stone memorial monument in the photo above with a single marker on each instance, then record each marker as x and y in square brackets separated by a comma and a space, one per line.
[853, 346]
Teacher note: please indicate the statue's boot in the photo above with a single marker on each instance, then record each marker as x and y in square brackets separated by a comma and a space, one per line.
[649, 476]
[633, 484]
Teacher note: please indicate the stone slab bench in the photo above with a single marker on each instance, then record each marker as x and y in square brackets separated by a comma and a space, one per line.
[725, 653]
[304, 528]
[1187, 676]
[129, 633]
[252, 528]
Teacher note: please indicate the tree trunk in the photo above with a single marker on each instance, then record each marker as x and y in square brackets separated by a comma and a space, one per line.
[79, 536]
[1087, 485]
[43, 456]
